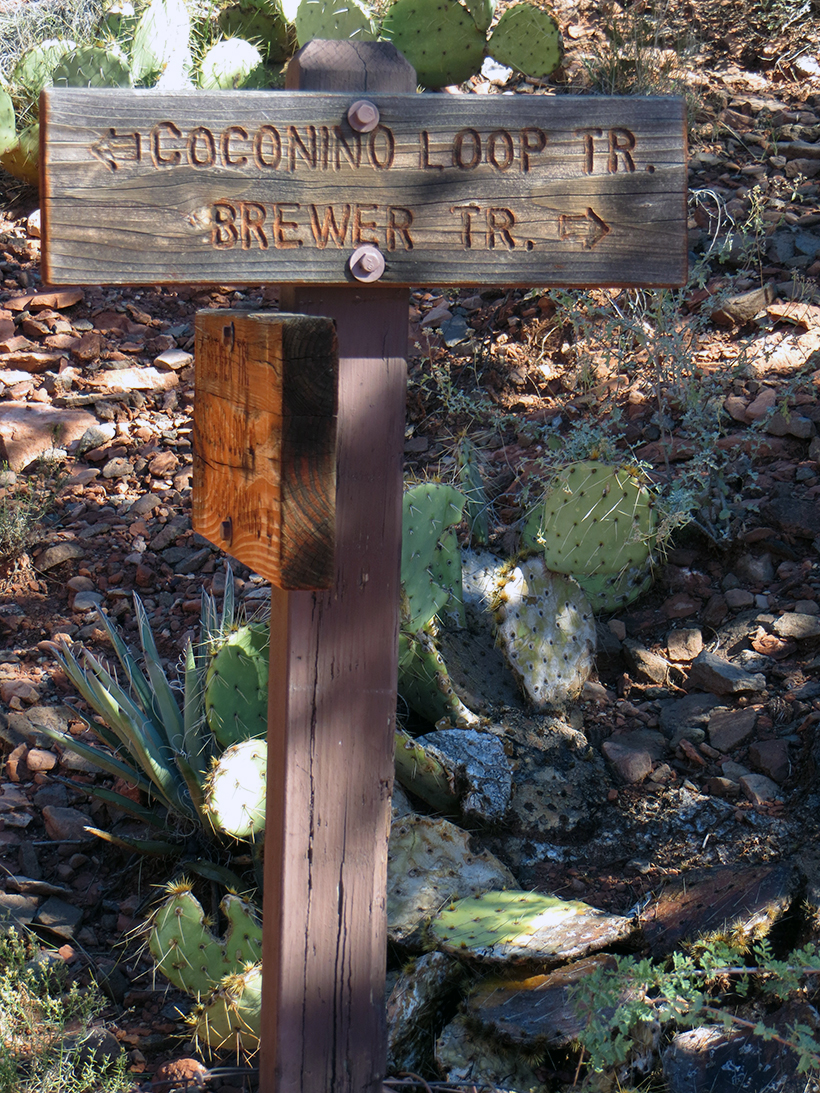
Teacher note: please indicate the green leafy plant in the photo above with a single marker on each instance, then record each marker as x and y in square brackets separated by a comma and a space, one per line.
[25, 501]
[45, 1018]
[689, 990]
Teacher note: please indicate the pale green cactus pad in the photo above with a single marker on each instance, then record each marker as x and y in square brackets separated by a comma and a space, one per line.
[425, 684]
[228, 65]
[439, 38]
[547, 631]
[528, 40]
[262, 23]
[34, 69]
[467, 1059]
[334, 19]
[162, 33]
[424, 774]
[429, 862]
[515, 926]
[598, 524]
[92, 66]
[230, 1018]
[235, 790]
[188, 953]
[8, 136]
[22, 158]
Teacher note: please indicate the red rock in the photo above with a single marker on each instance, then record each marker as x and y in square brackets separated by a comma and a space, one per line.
[144, 576]
[681, 606]
[39, 301]
[16, 768]
[183, 1073]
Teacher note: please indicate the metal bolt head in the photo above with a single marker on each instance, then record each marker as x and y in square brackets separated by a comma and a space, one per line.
[367, 263]
[363, 116]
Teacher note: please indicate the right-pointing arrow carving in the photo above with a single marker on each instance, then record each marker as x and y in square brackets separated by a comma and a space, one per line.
[587, 228]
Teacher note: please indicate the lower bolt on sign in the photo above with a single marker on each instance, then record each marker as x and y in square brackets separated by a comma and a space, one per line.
[308, 187]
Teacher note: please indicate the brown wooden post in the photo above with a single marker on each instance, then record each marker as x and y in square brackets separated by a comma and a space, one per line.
[333, 692]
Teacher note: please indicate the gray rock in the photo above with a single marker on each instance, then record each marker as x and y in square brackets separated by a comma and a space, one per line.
[645, 663]
[730, 728]
[481, 768]
[58, 553]
[98, 1048]
[118, 468]
[66, 824]
[194, 560]
[145, 504]
[743, 308]
[793, 516]
[678, 714]
[771, 757]
[711, 1060]
[759, 789]
[792, 425]
[684, 644]
[59, 916]
[792, 624]
[631, 763]
[16, 911]
[94, 437]
[87, 601]
[415, 1008]
[718, 676]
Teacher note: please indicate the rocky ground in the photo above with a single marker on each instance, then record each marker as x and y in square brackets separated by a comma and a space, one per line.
[704, 721]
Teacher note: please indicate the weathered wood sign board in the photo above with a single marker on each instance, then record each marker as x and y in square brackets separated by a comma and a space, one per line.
[140, 187]
[265, 442]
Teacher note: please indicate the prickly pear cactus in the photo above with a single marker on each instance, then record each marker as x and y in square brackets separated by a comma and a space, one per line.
[547, 631]
[21, 159]
[518, 926]
[236, 685]
[263, 23]
[430, 557]
[92, 66]
[422, 772]
[33, 71]
[439, 38]
[118, 21]
[477, 508]
[8, 136]
[160, 39]
[528, 40]
[425, 684]
[597, 523]
[334, 19]
[235, 790]
[228, 65]
[482, 12]
[230, 1017]
[185, 949]
[430, 861]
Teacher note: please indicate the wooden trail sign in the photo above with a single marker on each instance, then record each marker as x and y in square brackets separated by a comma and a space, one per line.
[141, 187]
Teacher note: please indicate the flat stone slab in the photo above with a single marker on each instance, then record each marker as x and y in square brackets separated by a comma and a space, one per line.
[515, 926]
[59, 916]
[747, 902]
[29, 429]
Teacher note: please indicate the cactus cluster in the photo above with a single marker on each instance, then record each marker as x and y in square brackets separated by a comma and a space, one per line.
[597, 523]
[223, 974]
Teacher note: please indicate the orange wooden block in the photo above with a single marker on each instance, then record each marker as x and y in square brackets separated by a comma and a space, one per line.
[264, 486]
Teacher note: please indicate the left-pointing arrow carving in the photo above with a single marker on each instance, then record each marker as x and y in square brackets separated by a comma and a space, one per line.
[117, 148]
[584, 228]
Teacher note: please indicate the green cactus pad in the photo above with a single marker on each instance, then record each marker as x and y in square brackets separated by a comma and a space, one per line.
[425, 684]
[23, 157]
[230, 1018]
[229, 65]
[430, 559]
[597, 521]
[33, 71]
[477, 507]
[185, 950]
[243, 939]
[519, 926]
[430, 861]
[547, 630]
[424, 775]
[118, 21]
[8, 136]
[263, 24]
[235, 790]
[528, 40]
[482, 12]
[92, 66]
[236, 686]
[334, 19]
[439, 38]
[163, 31]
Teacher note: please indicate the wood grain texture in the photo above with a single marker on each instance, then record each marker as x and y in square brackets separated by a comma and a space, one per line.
[264, 486]
[141, 187]
[332, 711]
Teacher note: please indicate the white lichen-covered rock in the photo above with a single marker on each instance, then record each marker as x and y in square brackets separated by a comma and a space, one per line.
[547, 631]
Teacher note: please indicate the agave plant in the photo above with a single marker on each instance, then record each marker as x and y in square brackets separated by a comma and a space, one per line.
[190, 777]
